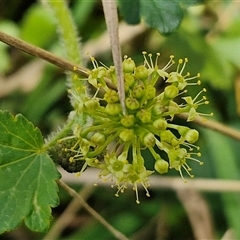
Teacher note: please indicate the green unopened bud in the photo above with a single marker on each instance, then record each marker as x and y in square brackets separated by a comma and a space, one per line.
[128, 65]
[192, 136]
[160, 124]
[149, 140]
[158, 108]
[102, 71]
[129, 79]
[111, 96]
[138, 91]
[150, 92]
[98, 138]
[126, 135]
[91, 104]
[113, 109]
[161, 166]
[128, 121]
[141, 72]
[170, 92]
[132, 103]
[182, 130]
[144, 116]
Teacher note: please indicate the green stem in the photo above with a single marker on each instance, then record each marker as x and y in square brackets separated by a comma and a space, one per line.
[70, 41]
[63, 133]
[67, 30]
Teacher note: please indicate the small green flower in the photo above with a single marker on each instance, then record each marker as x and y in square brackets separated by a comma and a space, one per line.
[119, 138]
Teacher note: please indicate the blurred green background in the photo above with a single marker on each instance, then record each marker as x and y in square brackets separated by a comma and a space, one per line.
[209, 36]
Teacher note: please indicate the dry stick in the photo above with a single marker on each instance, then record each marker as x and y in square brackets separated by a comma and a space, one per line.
[111, 18]
[216, 126]
[41, 53]
[95, 214]
[199, 214]
[68, 215]
[160, 182]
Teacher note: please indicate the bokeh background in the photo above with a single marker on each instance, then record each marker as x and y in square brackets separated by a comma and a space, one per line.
[209, 36]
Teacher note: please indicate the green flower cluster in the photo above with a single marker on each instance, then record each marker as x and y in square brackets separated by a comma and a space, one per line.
[119, 138]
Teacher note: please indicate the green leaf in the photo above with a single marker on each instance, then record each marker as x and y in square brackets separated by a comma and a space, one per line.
[166, 16]
[225, 158]
[27, 175]
[130, 10]
[191, 2]
[38, 26]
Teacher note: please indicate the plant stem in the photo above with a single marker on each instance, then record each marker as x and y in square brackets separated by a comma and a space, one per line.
[67, 30]
[98, 217]
[111, 17]
[41, 53]
[71, 45]
[160, 182]
[63, 133]
[68, 215]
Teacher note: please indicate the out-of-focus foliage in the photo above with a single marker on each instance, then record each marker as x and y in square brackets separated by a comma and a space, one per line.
[208, 36]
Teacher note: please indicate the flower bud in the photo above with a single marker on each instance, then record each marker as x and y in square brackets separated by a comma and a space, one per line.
[160, 124]
[141, 72]
[101, 72]
[129, 79]
[149, 140]
[161, 166]
[192, 136]
[111, 96]
[128, 121]
[158, 108]
[132, 103]
[183, 130]
[91, 104]
[150, 92]
[126, 135]
[138, 91]
[113, 109]
[98, 138]
[128, 65]
[170, 92]
[144, 116]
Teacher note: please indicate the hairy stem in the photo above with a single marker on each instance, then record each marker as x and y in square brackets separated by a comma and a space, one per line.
[63, 133]
[71, 45]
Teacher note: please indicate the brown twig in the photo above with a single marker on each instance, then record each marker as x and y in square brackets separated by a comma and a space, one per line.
[95, 214]
[68, 215]
[111, 18]
[41, 53]
[162, 182]
[198, 214]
